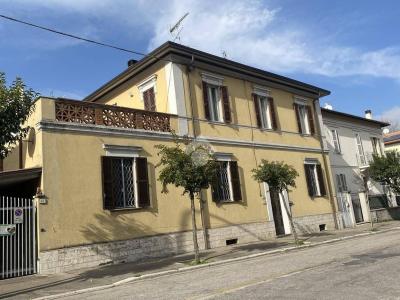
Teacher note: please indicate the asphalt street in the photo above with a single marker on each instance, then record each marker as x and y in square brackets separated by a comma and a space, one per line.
[361, 268]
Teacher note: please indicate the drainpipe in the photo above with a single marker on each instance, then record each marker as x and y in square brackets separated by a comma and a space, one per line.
[190, 67]
[325, 162]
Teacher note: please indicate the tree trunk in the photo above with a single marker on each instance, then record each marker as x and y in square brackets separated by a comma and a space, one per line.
[194, 230]
[289, 214]
[203, 222]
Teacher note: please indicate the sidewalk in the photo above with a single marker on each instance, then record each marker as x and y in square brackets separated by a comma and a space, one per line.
[38, 285]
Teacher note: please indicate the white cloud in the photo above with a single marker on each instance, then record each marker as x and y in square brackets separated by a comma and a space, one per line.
[248, 33]
[392, 116]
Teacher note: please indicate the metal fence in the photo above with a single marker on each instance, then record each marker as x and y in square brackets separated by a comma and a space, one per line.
[17, 237]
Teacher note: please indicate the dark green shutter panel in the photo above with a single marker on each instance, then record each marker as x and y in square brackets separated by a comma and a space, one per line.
[311, 119]
[142, 182]
[107, 176]
[237, 194]
[321, 181]
[296, 110]
[215, 186]
[226, 105]
[274, 122]
[205, 99]
[308, 174]
[152, 99]
[257, 110]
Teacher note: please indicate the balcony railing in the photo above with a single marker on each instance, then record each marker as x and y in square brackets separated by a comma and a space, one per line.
[107, 115]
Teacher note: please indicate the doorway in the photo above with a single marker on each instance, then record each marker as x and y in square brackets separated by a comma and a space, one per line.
[358, 215]
[276, 211]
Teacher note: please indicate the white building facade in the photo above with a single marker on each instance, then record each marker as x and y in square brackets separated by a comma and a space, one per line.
[351, 141]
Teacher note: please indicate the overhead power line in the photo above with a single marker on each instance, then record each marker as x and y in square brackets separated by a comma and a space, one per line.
[77, 37]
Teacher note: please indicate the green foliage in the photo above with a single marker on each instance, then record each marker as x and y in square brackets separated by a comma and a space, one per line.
[181, 169]
[386, 169]
[16, 105]
[277, 174]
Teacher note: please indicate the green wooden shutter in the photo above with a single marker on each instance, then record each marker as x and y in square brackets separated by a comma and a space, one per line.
[107, 177]
[235, 178]
[321, 181]
[307, 172]
[274, 122]
[257, 110]
[142, 179]
[226, 105]
[205, 100]
[311, 119]
[297, 112]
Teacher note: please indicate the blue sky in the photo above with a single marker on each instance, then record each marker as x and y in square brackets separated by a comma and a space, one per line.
[351, 48]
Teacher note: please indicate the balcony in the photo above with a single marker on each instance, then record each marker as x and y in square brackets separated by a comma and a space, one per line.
[107, 115]
[363, 160]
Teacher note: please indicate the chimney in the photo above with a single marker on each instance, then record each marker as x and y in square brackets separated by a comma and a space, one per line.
[131, 62]
[368, 114]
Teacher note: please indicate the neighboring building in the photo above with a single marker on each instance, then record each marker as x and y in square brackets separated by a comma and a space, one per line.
[351, 141]
[392, 141]
[95, 161]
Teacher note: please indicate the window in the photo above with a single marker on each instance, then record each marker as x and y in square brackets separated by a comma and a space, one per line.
[360, 151]
[341, 183]
[314, 178]
[376, 145]
[227, 187]
[147, 90]
[125, 182]
[216, 103]
[335, 139]
[265, 111]
[305, 120]
[149, 99]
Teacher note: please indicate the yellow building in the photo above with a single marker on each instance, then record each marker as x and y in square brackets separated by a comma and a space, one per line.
[392, 141]
[95, 160]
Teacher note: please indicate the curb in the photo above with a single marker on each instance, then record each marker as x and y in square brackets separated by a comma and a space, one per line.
[211, 264]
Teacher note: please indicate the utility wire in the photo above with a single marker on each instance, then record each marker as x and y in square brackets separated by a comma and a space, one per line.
[78, 37]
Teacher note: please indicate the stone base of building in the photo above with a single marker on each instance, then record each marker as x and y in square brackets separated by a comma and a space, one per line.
[314, 223]
[141, 249]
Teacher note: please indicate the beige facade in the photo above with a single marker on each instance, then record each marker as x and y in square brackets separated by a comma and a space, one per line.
[70, 149]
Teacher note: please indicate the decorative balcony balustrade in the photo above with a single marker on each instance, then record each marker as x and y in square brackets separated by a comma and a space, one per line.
[107, 115]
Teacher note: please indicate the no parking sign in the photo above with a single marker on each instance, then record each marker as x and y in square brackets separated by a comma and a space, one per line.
[18, 215]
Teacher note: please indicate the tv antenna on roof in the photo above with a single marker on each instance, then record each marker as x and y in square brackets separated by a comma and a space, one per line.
[177, 28]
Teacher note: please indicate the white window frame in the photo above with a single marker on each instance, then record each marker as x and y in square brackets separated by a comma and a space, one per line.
[336, 141]
[360, 147]
[304, 117]
[265, 112]
[376, 145]
[218, 116]
[147, 84]
[314, 163]
[127, 152]
[226, 157]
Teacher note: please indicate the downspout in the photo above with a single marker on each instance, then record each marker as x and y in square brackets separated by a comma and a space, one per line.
[325, 162]
[202, 214]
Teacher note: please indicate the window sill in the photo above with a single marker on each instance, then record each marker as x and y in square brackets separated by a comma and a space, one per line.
[226, 201]
[126, 209]
[217, 122]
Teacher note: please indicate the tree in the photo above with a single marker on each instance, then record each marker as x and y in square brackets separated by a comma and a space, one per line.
[386, 170]
[280, 177]
[16, 105]
[193, 169]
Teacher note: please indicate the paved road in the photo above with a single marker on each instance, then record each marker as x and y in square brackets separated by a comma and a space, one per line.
[362, 268]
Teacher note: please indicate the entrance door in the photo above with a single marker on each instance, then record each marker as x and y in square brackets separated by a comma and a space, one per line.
[358, 215]
[17, 237]
[344, 201]
[277, 212]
